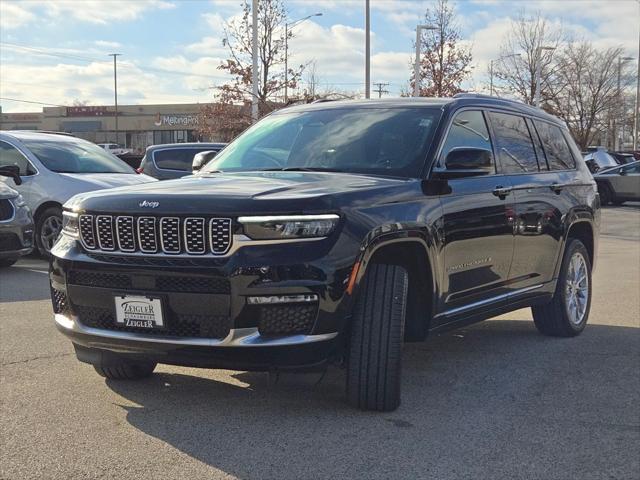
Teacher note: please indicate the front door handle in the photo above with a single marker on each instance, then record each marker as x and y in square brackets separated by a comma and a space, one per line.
[556, 187]
[501, 192]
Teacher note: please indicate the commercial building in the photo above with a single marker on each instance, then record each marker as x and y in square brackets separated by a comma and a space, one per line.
[138, 125]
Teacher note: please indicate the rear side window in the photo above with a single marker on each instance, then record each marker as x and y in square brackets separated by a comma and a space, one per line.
[468, 129]
[176, 158]
[555, 146]
[513, 143]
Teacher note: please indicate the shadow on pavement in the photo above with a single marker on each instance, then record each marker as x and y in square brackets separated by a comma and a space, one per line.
[25, 281]
[493, 400]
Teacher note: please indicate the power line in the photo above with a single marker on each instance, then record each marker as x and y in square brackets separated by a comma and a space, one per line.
[31, 101]
[380, 88]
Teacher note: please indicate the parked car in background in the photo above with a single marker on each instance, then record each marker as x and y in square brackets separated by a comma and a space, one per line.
[623, 158]
[619, 184]
[114, 148]
[173, 160]
[53, 168]
[599, 159]
[203, 158]
[16, 222]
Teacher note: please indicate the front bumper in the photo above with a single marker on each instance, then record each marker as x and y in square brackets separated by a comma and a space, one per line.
[238, 341]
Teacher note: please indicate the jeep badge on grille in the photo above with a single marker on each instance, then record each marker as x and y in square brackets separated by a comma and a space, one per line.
[146, 203]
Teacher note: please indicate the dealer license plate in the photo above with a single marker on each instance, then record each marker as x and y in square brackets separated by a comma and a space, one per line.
[139, 311]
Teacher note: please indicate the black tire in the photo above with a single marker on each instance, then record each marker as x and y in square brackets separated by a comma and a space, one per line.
[375, 346]
[126, 371]
[41, 221]
[554, 319]
[7, 262]
[605, 194]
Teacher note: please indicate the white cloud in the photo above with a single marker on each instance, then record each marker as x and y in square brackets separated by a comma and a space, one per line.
[13, 15]
[107, 44]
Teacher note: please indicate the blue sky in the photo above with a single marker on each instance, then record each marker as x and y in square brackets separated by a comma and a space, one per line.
[55, 51]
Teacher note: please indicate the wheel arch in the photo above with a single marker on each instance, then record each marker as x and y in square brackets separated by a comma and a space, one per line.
[43, 206]
[413, 253]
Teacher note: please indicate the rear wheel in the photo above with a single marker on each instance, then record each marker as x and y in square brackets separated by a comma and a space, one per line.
[375, 349]
[48, 228]
[126, 370]
[566, 315]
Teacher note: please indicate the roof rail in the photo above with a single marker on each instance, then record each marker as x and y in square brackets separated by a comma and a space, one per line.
[481, 95]
[50, 132]
[323, 100]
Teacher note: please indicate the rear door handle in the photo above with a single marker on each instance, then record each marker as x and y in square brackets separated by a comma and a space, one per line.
[502, 192]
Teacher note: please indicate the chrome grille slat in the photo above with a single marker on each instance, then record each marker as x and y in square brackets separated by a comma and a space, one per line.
[125, 234]
[170, 234]
[104, 225]
[147, 237]
[87, 232]
[194, 235]
[156, 235]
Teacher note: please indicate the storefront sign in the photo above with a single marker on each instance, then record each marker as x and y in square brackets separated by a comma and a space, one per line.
[88, 112]
[177, 120]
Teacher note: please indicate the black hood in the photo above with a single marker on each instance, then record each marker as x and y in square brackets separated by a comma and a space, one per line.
[239, 193]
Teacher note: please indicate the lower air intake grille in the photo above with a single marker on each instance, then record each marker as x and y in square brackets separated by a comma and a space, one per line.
[192, 326]
[60, 302]
[287, 319]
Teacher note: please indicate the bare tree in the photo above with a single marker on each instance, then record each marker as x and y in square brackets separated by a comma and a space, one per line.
[445, 63]
[224, 113]
[522, 52]
[583, 91]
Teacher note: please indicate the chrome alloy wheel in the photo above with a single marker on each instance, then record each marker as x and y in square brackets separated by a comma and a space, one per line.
[49, 232]
[576, 293]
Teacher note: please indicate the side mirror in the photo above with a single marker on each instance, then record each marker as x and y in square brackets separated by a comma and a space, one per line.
[622, 172]
[467, 162]
[201, 159]
[12, 171]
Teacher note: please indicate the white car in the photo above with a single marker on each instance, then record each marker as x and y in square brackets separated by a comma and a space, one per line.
[114, 148]
[54, 167]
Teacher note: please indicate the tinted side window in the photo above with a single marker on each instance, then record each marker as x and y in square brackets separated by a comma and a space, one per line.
[555, 146]
[468, 129]
[10, 155]
[632, 168]
[513, 143]
[176, 158]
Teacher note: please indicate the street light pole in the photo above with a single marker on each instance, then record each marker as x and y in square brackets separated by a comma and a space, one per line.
[254, 64]
[416, 66]
[636, 120]
[287, 27]
[619, 103]
[115, 88]
[367, 52]
[539, 72]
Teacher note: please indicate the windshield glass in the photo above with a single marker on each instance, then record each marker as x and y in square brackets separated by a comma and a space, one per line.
[384, 141]
[75, 156]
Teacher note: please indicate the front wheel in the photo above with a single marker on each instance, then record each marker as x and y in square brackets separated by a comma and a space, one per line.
[566, 315]
[48, 228]
[375, 348]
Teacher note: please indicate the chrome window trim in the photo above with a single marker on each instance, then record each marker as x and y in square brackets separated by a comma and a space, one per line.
[204, 235]
[110, 217]
[231, 237]
[155, 231]
[239, 337]
[93, 227]
[162, 238]
[133, 233]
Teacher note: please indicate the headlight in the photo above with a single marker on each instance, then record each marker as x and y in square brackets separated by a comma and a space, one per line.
[289, 226]
[70, 224]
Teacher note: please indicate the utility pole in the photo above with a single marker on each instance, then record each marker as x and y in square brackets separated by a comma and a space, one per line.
[416, 66]
[636, 120]
[539, 72]
[115, 88]
[619, 103]
[380, 89]
[254, 68]
[367, 52]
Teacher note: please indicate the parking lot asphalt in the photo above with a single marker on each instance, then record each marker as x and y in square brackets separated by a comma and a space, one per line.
[495, 400]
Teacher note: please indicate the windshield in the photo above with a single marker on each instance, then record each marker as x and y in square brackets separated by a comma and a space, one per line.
[75, 156]
[384, 141]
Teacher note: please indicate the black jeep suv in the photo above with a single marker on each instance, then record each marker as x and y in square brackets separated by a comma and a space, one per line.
[334, 231]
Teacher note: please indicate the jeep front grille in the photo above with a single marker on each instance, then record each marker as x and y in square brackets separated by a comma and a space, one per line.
[152, 235]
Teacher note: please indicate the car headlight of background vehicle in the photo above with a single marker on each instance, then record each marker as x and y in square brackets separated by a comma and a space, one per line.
[289, 226]
[70, 224]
